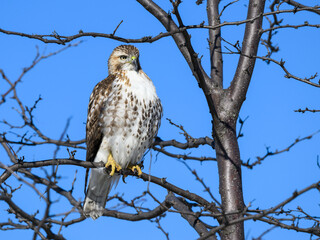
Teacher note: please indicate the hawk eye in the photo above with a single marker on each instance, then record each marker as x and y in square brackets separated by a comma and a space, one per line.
[123, 57]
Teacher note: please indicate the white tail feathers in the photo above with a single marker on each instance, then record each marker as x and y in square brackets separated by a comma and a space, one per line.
[100, 184]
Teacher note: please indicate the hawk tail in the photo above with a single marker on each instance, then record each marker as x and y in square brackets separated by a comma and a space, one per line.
[100, 184]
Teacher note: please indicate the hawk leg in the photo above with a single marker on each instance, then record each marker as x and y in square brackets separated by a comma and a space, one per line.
[111, 162]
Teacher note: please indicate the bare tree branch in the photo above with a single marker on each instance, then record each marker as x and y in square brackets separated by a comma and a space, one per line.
[60, 39]
[307, 110]
[184, 156]
[289, 75]
[305, 24]
[195, 222]
[242, 77]
[276, 152]
[34, 221]
[215, 43]
[299, 5]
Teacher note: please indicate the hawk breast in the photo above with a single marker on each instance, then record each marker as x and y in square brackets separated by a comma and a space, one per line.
[130, 117]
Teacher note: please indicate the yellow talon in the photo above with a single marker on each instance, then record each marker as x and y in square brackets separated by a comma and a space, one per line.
[111, 162]
[136, 167]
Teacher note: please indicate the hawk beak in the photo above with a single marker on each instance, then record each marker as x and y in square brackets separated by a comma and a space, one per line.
[135, 62]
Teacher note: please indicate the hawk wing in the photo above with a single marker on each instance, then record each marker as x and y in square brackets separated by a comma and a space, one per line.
[94, 133]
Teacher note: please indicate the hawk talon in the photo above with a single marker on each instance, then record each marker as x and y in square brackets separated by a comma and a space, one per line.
[137, 168]
[114, 166]
[124, 178]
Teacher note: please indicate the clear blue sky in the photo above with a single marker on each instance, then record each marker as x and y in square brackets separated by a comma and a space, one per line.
[65, 82]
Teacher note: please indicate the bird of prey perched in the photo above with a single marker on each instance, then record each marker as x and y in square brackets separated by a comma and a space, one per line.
[123, 118]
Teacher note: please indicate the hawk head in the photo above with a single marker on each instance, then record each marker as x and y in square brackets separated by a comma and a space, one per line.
[124, 57]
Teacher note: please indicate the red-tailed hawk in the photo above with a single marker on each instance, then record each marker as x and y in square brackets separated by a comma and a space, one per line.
[123, 118]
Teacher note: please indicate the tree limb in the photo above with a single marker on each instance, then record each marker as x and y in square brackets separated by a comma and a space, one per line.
[299, 5]
[242, 77]
[195, 222]
[215, 43]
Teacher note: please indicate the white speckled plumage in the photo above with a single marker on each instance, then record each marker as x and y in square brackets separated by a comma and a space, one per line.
[123, 118]
[123, 135]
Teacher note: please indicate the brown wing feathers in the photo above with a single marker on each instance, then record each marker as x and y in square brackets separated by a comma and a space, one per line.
[93, 129]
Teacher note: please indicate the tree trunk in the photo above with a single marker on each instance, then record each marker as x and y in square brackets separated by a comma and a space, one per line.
[230, 183]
